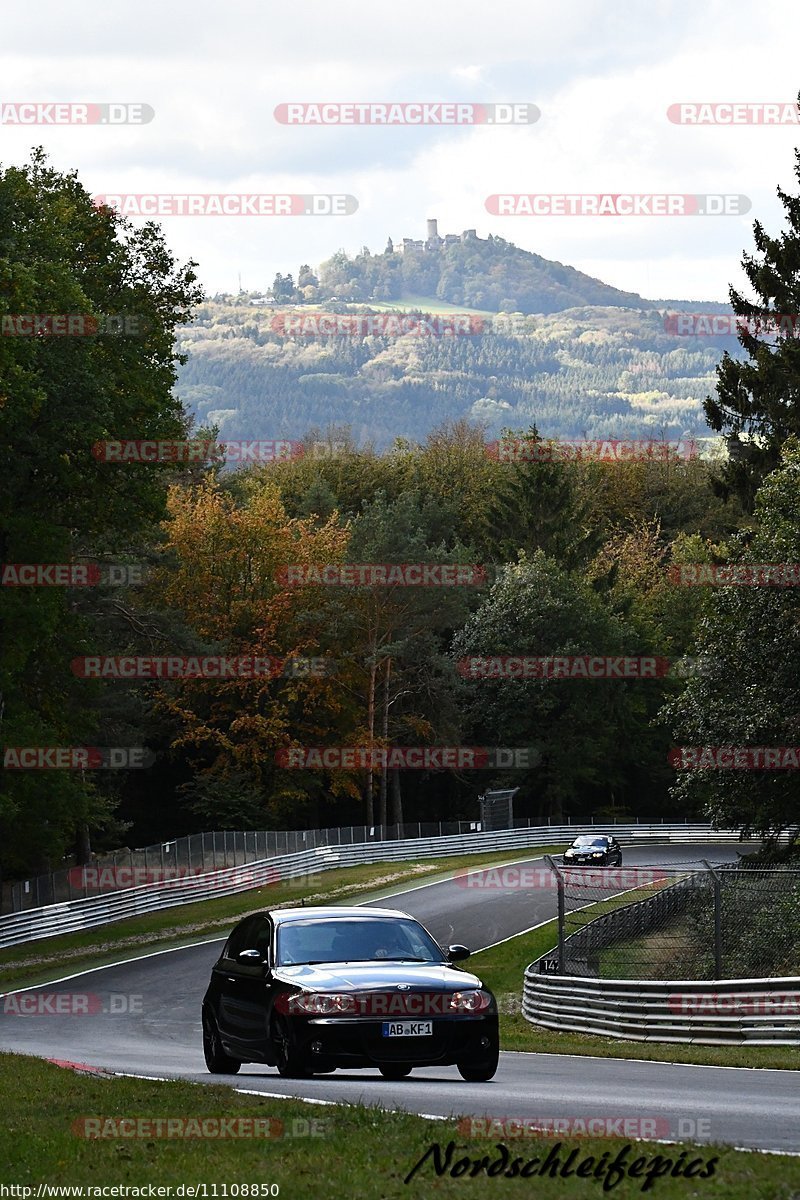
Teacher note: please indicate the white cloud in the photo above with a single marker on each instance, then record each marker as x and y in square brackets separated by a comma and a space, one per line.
[603, 77]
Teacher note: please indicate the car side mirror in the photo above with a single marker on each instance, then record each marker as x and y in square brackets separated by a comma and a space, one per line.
[457, 953]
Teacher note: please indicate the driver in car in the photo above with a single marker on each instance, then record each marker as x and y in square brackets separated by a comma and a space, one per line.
[389, 944]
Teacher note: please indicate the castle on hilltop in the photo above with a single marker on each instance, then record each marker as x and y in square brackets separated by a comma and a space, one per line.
[433, 241]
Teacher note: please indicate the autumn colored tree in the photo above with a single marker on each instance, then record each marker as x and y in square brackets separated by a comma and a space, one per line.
[225, 575]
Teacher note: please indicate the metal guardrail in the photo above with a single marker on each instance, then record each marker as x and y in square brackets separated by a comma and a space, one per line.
[717, 1013]
[74, 915]
[198, 853]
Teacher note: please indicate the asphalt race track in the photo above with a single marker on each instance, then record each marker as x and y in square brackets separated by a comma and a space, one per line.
[143, 1018]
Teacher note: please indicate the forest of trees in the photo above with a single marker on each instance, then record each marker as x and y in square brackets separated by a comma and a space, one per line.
[579, 560]
[585, 373]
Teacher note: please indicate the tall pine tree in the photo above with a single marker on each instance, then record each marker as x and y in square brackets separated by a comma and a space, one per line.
[760, 398]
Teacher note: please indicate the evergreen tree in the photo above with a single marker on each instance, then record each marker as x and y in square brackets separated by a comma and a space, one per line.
[760, 398]
[748, 693]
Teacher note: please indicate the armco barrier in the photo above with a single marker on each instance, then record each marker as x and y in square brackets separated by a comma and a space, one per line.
[199, 853]
[712, 1013]
[74, 915]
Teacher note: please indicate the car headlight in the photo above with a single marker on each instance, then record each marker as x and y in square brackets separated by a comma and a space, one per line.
[471, 1002]
[597, 854]
[321, 1004]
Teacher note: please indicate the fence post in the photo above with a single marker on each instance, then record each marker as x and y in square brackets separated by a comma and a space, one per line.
[561, 911]
[717, 918]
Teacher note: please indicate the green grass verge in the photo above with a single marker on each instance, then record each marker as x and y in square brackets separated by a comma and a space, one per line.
[41, 961]
[350, 1151]
[502, 968]
[653, 955]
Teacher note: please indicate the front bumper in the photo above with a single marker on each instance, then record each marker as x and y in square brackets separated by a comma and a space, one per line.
[584, 861]
[354, 1041]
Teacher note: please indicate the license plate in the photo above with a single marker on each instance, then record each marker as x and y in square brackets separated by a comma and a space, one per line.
[408, 1028]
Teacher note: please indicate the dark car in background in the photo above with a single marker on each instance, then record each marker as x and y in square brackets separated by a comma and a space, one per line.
[596, 850]
[310, 990]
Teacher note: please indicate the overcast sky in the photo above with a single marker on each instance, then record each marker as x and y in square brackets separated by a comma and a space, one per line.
[603, 76]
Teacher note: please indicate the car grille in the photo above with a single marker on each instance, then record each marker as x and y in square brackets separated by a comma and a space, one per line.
[408, 1049]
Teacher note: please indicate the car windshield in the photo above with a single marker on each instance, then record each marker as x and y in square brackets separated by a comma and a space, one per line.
[355, 939]
[595, 843]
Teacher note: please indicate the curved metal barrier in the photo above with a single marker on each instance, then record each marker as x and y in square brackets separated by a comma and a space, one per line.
[716, 1013]
[88, 913]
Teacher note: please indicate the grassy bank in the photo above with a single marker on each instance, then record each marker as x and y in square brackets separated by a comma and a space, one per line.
[312, 1151]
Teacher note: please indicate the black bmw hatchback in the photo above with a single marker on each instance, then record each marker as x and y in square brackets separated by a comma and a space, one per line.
[598, 850]
[308, 990]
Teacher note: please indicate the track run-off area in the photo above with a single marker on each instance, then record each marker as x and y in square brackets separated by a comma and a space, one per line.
[142, 1018]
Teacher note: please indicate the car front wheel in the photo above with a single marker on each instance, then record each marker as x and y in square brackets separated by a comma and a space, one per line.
[217, 1061]
[480, 1070]
[290, 1062]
